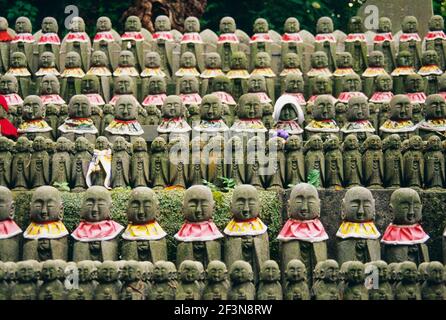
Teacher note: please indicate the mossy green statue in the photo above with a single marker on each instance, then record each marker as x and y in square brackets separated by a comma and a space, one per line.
[188, 287]
[269, 287]
[326, 41]
[107, 40]
[78, 41]
[10, 232]
[434, 165]
[326, 286]
[241, 276]
[352, 161]
[384, 290]
[238, 74]
[25, 288]
[353, 274]
[33, 119]
[400, 118]
[133, 286]
[373, 162]
[410, 40]
[433, 287]
[407, 287]
[383, 41]
[403, 69]
[191, 41]
[109, 286]
[296, 287]
[217, 284]
[435, 39]
[393, 162]
[70, 83]
[52, 288]
[291, 41]
[19, 69]
[356, 44]
[164, 281]
[315, 161]
[430, 71]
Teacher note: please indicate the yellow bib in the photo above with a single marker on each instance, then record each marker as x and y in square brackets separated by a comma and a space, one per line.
[363, 230]
[149, 231]
[252, 227]
[51, 230]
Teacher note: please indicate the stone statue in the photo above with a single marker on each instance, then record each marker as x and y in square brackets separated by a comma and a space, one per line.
[403, 69]
[19, 69]
[156, 91]
[143, 239]
[291, 41]
[261, 40]
[212, 70]
[354, 289]
[356, 44]
[61, 162]
[25, 288]
[9, 88]
[71, 76]
[90, 86]
[291, 65]
[393, 162]
[153, 115]
[399, 245]
[109, 286]
[99, 68]
[20, 164]
[79, 164]
[238, 74]
[376, 68]
[52, 288]
[296, 287]
[7, 118]
[352, 87]
[275, 177]
[247, 238]
[10, 232]
[241, 276]
[430, 71]
[269, 287]
[400, 118]
[384, 290]
[334, 170]
[49, 93]
[164, 43]
[435, 117]
[33, 115]
[24, 41]
[228, 43]
[434, 165]
[188, 287]
[188, 66]
[4, 286]
[158, 163]
[107, 40]
[139, 164]
[191, 41]
[357, 116]
[79, 122]
[352, 161]
[407, 287]
[413, 163]
[410, 40]
[433, 288]
[414, 87]
[78, 41]
[303, 235]
[6, 36]
[381, 98]
[344, 62]
[178, 152]
[326, 41]
[87, 283]
[164, 281]
[48, 39]
[373, 162]
[120, 164]
[256, 162]
[323, 115]
[294, 86]
[96, 236]
[319, 68]
[133, 287]
[262, 67]
[383, 41]
[188, 89]
[295, 163]
[217, 285]
[6, 148]
[211, 112]
[46, 66]
[435, 39]
[39, 164]
[173, 122]
[236, 169]
[315, 160]
[135, 39]
[326, 285]
[46, 235]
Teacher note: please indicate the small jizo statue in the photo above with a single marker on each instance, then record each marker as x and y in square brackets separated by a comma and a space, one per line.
[87, 282]
[383, 41]
[47, 38]
[78, 41]
[291, 41]
[375, 69]
[20, 164]
[241, 276]
[24, 41]
[96, 235]
[27, 274]
[90, 86]
[246, 236]
[303, 236]
[188, 66]
[344, 61]
[120, 163]
[269, 287]
[296, 287]
[198, 236]
[381, 98]
[139, 164]
[9, 230]
[434, 165]
[133, 287]
[49, 90]
[393, 162]
[413, 163]
[295, 163]
[99, 69]
[191, 40]
[408, 287]
[164, 43]
[294, 86]
[70, 83]
[109, 286]
[107, 40]
[211, 112]
[46, 235]
[20, 70]
[414, 87]
[262, 67]
[358, 235]
[227, 42]
[33, 119]
[356, 44]
[173, 122]
[249, 113]
[52, 288]
[288, 115]
[435, 39]
[323, 114]
[135, 39]
[47, 66]
[164, 281]
[217, 284]
[404, 239]
[435, 117]
[373, 162]
[158, 163]
[156, 92]
[400, 118]
[357, 116]
[430, 71]
[7, 119]
[143, 239]
[39, 164]
[152, 68]
[404, 68]
[188, 287]
[352, 161]
[260, 40]
[353, 273]
[4, 286]
[326, 287]
[382, 291]
[211, 71]
[334, 170]
[238, 74]
[326, 41]
[319, 68]
[410, 40]
[6, 148]
[315, 161]
[433, 287]
[6, 35]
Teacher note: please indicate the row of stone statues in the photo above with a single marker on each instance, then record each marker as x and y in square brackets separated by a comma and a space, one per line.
[142, 280]
[245, 237]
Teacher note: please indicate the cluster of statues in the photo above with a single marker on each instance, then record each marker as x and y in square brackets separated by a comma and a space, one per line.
[140, 251]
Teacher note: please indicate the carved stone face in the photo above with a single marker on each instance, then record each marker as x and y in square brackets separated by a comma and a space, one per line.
[142, 206]
[123, 85]
[8, 84]
[89, 84]
[314, 143]
[3, 24]
[131, 271]
[18, 60]
[157, 85]
[292, 25]
[188, 60]
[344, 60]
[249, 107]
[376, 59]
[384, 25]
[430, 57]
[435, 272]
[240, 272]
[351, 142]
[304, 203]
[73, 60]
[33, 108]
[294, 143]
[288, 113]
[263, 60]
[256, 83]
[6, 204]
[49, 24]
[227, 25]
[96, 205]
[38, 144]
[352, 83]
[85, 269]
[162, 23]
[270, 271]
[404, 59]
[216, 271]
[400, 108]
[373, 142]
[221, 83]
[435, 107]
[164, 271]
[125, 108]
[408, 272]
[384, 82]
[46, 205]
[189, 84]
[191, 24]
[358, 205]
[355, 272]
[102, 143]
[25, 271]
[198, 204]
[410, 24]
[245, 203]
[213, 61]
[358, 109]
[294, 83]
[132, 24]
[77, 24]
[211, 107]
[49, 271]
[291, 60]
[324, 25]
[295, 271]
[79, 107]
[103, 24]
[355, 25]
[239, 60]
[49, 85]
[319, 59]
[126, 59]
[159, 144]
[188, 271]
[98, 59]
[329, 271]
[108, 271]
[405, 204]
[23, 25]
[173, 107]
[436, 23]
[152, 60]
[323, 108]
[47, 59]
[260, 26]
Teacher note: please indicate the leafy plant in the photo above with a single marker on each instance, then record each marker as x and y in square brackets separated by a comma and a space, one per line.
[314, 178]
[62, 186]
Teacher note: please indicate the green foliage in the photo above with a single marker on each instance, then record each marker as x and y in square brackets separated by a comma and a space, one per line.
[222, 184]
[314, 178]
[62, 186]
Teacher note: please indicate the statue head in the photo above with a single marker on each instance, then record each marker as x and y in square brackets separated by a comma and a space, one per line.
[314, 143]
[436, 23]
[22, 145]
[49, 25]
[354, 272]
[293, 143]
[85, 268]
[139, 144]
[351, 142]
[33, 108]
[221, 83]
[269, 271]
[241, 272]
[131, 271]
[108, 272]
[103, 24]
[77, 24]
[435, 272]
[256, 83]
[102, 143]
[6, 204]
[143, 205]
[188, 60]
[408, 272]
[23, 25]
[99, 59]
[26, 271]
[260, 26]
[46, 204]
[295, 271]
[164, 271]
[72, 60]
[294, 83]
[191, 24]
[322, 85]
[38, 144]
[404, 59]
[355, 25]
[358, 109]
[400, 108]
[63, 145]
[96, 205]
[319, 59]
[152, 59]
[126, 59]
[373, 142]
[189, 84]
[211, 107]
[435, 107]
[262, 60]
[157, 85]
[126, 108]
[239, 60]
[410, 24]
[81, 144]
[162, 23]
[18, 60]
[79, 107]
[49, 270]
[329, 271]
[132, 24]
[384, 82]
[124, 85]
[173, 107]
[227, 25]
[249, 107]
[352, 83]
[376, 59]
[158, 144]
[324, 108]
[245, 203]
[430, 57]
[212, 60]
[198, 204]
[89, 84]
[47, 60]
[49, 85]
[304, 202]
[291, 60]
[406, 207]
[384, 25]
[8, 84]
[344, 60]
[358, 205]
[216, 271]
[324, 25]
[188, 271]
[291, 25]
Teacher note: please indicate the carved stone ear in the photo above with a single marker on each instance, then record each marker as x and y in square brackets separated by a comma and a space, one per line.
[12, 210]
[61, 212]
[343, 209]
